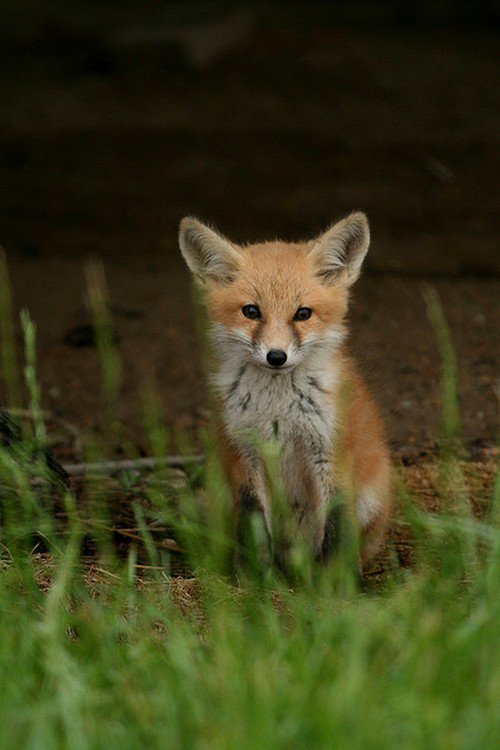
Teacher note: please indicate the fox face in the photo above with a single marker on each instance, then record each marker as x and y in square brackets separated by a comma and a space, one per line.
[276, 305]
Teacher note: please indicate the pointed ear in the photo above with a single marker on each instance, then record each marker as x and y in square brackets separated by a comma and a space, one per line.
[207, 254]
[339, 253]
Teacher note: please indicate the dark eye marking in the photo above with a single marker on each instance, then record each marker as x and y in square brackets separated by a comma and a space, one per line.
[251, 311]
[303, 313]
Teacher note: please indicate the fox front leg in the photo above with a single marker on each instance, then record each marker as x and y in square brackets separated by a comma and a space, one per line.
[327, 524]
[252, 512]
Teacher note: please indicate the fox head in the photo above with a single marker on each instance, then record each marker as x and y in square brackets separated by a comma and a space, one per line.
[276, 304]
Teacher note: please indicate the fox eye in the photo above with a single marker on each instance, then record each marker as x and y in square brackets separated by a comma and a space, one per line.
[303, 313]
[251, 311]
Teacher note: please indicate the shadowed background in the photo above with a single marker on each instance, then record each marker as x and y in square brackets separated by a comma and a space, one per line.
[118, 118]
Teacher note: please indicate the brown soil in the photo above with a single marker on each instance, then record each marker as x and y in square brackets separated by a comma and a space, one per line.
[292, 130]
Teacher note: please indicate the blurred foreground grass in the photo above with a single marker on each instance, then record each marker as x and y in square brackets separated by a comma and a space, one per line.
[97, 657]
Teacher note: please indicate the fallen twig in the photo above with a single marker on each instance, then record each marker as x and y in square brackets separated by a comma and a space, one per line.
[138, 464]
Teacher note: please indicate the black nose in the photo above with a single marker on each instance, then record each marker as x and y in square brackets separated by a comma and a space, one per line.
[276, 357]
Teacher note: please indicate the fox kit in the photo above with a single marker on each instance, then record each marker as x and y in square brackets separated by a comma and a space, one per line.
[277, 313]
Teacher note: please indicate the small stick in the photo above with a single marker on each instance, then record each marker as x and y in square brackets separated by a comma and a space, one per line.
[110, 467]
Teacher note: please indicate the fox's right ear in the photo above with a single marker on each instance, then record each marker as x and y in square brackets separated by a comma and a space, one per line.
[207, 254]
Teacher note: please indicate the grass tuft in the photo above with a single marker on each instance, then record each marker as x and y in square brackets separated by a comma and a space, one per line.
[109, 652]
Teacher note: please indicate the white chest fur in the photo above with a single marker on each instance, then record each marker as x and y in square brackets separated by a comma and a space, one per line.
[296, 409]
[288, 406]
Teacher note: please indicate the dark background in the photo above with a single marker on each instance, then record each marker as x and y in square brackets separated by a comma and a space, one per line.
[267, 119]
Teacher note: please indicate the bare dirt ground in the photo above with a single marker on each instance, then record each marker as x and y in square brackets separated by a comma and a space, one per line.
[103, 152]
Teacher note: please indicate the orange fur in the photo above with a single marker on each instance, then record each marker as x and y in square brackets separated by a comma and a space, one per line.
[318, 386]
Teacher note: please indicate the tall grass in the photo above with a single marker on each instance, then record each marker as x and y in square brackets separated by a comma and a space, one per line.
[99, 659]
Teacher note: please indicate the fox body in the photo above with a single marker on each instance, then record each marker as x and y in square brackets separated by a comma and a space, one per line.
[277, 313]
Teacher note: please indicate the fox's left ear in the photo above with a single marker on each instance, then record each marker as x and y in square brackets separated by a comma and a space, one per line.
[338, 254]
